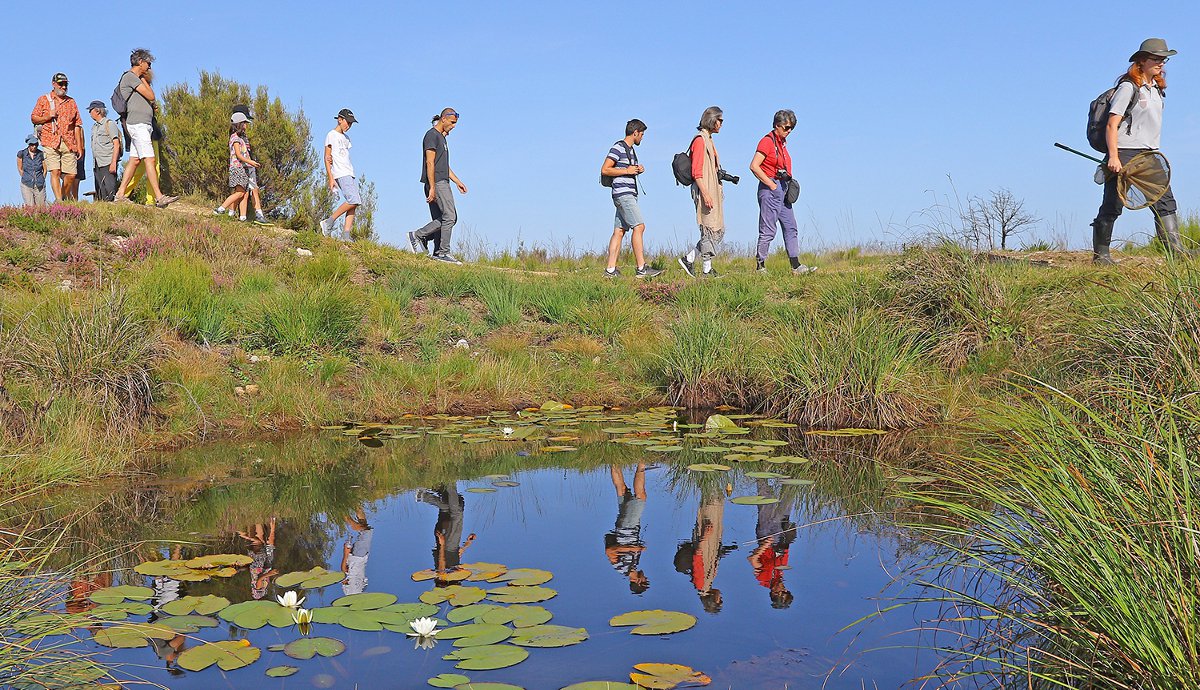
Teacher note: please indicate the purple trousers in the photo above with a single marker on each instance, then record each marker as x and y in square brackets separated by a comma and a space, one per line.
[772, 213]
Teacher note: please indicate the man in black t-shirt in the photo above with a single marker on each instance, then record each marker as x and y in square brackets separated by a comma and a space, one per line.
[436, 175]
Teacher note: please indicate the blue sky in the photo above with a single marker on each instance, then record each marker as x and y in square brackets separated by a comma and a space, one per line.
[894, 100]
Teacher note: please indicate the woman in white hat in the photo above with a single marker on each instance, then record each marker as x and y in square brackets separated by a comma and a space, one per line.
[1134, 126]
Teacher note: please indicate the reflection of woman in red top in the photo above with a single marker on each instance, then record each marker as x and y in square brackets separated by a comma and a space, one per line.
[775, 532]
[700, 556]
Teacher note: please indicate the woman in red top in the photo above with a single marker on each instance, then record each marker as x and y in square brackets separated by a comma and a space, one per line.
[772, 165]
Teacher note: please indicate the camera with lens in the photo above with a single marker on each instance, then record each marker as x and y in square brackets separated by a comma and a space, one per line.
[783, 176]
[726, 177]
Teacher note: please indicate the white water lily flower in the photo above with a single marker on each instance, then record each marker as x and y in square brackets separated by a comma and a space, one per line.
[423, 627]
[302, 616]
[290, 600]
[507, 430]
[424, 642]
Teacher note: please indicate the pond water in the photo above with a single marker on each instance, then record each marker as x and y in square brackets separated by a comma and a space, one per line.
[602, 501]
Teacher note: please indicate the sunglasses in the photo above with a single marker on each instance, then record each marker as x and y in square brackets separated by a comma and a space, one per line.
[61, 83]
[1159, 60]
[788, 128]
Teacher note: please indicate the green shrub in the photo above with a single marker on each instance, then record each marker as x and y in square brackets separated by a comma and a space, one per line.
[610, 318]
[23, 257]
[739, 296]
[328, 266]
[555, 301]
[317, 317]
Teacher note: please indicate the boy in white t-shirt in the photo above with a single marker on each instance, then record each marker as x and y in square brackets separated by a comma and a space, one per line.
[340, 172]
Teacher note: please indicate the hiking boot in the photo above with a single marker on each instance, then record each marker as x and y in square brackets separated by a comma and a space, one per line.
[647, 272]
[615, 273]
[710, 273]
[760, 267]
[165, 201]
[803, 270]
[688, 266]
[418, 245]
[447, 259]
[1101, 239]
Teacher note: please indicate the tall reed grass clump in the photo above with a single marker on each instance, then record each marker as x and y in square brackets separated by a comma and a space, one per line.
[98, 349]
[179, 292]
[855, 369]
[1076, 529]
[307, 318]
[704, 362]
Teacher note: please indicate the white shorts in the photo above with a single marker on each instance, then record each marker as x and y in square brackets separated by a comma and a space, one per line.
[139, 138]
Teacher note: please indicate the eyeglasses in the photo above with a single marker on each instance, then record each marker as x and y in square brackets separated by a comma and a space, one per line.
[1159, 60]
[788, 128]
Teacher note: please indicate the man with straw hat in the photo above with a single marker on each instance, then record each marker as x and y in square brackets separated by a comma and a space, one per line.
[1144, 85]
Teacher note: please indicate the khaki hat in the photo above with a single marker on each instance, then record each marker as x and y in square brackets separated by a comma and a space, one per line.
[1153, 46]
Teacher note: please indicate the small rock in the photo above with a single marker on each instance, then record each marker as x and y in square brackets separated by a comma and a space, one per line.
[239, 391]
[462, 344]
[65, 285]
[118, 242]
[596, 359]
[252, 389]
[301, 251]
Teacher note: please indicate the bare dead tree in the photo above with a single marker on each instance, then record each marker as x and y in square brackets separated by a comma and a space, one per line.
[1001, 215]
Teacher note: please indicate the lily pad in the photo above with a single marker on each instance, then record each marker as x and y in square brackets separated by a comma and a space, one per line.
[411, 610]
[520, 616]
[549, 636]
[228, 655]
[448, 680]
[602, 685]
[366, 621]
[487, 658]
[328, 614]
[521, 595]
[455, 595]
[310, 579]
[664, 449]
[754, 500]
[133, 635]
[474, 612]
[187, 624]
[488, 686]
[121, 611]
[366, 601]
[475, 634]
[796, 482]
[481, 490]
[308, 647]
[282, 671]
[219, 560]
[483, 571]
[788, 459]
[710, 449]
[667, 676]
[654, 622]
[524, 577]
[707, 467]
[719, 422]
[115, 595]
[765, 475]
[505, 483]
[204, 606]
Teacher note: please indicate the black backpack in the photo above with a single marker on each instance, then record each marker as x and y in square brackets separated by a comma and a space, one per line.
[606, 180]
[681, 165]
[1098, 112]
[120, 102]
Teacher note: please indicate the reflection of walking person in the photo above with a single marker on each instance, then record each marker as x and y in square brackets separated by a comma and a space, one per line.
[355, 553]
[448, 546]
[623, 545]
[262, 557]
[775, 533]
[700, 556]
[436, 175]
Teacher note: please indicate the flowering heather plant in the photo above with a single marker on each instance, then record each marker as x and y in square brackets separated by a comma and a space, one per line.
[141, 247]
[61, 212]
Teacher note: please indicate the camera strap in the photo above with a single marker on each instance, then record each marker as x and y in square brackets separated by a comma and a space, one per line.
[633, 160]
[779, 160]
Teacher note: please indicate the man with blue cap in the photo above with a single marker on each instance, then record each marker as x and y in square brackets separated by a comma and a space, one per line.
[31, 165]
[106, 151]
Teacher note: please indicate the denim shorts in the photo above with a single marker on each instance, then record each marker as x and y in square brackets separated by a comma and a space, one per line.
[348, 186]
[629, 216]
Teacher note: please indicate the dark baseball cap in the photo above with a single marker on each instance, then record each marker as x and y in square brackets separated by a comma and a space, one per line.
[347, 115]
[97, 105]
[245, 110]
[59, 78]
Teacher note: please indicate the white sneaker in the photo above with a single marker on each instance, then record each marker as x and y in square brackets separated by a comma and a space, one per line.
[326, 227]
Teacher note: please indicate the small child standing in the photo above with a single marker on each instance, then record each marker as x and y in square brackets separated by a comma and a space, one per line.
[239, 163]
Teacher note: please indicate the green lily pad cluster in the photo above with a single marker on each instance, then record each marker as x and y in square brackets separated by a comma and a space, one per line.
[195, 569]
